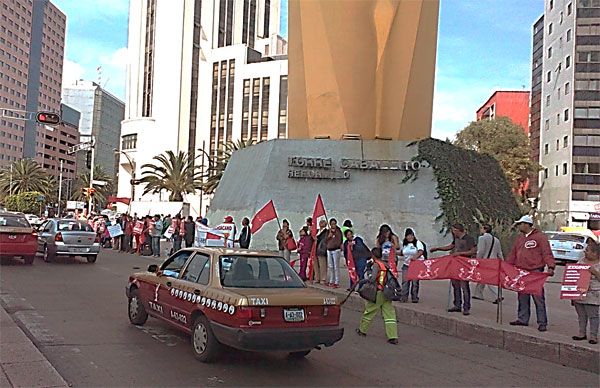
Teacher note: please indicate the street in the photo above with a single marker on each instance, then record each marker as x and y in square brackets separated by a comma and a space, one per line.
[76, 314]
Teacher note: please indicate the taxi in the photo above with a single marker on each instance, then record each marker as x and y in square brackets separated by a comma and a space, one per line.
[244, 299]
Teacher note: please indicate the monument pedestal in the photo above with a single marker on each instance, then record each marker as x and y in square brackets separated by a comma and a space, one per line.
[358, 180]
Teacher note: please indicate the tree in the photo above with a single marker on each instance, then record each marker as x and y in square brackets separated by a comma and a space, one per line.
[504, 141]
[102, 192]
[26, 175]
[217, 165]
[26, 202]
[176, 174]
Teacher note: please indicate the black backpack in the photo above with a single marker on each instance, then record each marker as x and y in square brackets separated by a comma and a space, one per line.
[392, 290]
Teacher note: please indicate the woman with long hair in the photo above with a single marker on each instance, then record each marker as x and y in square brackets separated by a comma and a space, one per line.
[387, 240]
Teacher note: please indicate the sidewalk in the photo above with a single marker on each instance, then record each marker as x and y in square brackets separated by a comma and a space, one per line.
[554, 345]
[21, 363]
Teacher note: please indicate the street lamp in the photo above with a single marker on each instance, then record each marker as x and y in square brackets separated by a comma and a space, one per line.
[132, 167]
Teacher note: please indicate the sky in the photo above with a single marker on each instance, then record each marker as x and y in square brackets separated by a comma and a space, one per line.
[483, 46]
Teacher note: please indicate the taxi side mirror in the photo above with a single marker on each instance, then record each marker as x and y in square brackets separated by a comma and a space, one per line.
[153, 268]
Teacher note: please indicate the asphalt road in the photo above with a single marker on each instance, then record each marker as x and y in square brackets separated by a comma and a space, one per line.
[76, 313]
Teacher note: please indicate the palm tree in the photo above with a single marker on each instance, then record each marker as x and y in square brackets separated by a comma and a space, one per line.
[216, 165]
[26, 175]
[102, 192]
[176, 174]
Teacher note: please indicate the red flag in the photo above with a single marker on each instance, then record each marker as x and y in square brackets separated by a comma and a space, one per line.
[392, 262]
[317, 212]
[264, 215]
[351, 265]
[525, 282]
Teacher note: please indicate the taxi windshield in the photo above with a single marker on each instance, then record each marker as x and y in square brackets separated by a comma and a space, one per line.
[257, 272]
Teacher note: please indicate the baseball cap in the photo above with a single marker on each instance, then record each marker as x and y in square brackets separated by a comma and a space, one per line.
[525, 219]
[228, 219]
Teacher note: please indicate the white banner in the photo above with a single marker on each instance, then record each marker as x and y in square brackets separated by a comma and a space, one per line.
[115, 230]
[208, 237]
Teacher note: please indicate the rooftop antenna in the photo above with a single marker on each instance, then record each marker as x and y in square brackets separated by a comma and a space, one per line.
[99, 72]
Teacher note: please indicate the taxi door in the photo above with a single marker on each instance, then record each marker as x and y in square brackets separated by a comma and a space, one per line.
[186, 291]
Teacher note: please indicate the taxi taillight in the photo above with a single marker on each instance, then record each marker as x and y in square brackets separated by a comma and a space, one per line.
[249, 313]
[58, 237]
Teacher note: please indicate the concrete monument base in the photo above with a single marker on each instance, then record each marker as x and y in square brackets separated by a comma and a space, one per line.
[358, 180]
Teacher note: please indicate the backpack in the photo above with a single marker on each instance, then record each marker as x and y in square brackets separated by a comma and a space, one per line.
[367, 287]
[392, 289]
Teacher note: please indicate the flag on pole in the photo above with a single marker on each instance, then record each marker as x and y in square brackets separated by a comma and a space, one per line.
[264, 215]
[319, 211]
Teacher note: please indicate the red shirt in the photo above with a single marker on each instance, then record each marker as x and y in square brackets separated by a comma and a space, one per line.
[531, 252]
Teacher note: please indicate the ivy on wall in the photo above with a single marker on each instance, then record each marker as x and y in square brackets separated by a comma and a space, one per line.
[471, 186]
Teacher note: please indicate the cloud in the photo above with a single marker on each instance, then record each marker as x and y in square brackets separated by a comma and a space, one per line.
[72, 71]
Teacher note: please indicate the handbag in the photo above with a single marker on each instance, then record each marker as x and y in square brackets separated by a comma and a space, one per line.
[290, 244]
[367, 289]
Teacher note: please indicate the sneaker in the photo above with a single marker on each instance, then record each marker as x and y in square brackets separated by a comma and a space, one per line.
[454, 310]
[466, 312]
[477, 297]
[518, 323]
[393, 341]
[579, 337]
[593, 341]
[415, 301]
[335, 286]
[542, 328]
[360, 333]
[498, 300]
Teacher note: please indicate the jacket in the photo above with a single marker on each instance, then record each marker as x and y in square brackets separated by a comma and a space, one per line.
[245, 236]
[322, 243]
[334, 242]
[531, 252]
[484, 247]
[305, 245]
[360, 251]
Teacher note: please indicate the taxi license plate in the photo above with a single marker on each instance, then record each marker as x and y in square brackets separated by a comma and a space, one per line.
[78, 250]
[293, 315]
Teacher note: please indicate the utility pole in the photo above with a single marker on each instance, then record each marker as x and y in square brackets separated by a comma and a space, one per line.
[202, 177]
[60, 179]
[91, 185]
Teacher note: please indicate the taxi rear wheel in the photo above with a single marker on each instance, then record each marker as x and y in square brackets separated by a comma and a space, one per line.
[205, 346]
[301, 354]
[136, 311]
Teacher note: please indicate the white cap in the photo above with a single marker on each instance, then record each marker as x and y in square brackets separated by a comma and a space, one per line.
[524, 219]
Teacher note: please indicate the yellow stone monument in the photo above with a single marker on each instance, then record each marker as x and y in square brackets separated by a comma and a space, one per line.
[361, 67]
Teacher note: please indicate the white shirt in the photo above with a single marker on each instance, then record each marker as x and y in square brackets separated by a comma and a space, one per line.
[410, 251]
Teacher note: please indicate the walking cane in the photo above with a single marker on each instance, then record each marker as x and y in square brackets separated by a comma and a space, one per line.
[349, 293]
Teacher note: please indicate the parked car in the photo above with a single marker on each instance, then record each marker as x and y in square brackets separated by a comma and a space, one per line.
[68, 237]
[567, 247]
[34, 220]
[243, 299]
[18, 239]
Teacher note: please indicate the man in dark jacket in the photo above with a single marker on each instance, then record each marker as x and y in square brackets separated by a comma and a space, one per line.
[245, 234]
[360, 253]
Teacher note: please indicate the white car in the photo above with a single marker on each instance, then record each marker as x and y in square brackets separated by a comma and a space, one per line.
[567, 246]
[33, 219]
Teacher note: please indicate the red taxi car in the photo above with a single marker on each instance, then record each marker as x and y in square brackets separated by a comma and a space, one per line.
[17, 237]
[244, 299]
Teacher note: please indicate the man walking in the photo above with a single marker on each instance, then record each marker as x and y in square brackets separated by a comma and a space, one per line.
[488, 247]
[531, 252]
[462, 245]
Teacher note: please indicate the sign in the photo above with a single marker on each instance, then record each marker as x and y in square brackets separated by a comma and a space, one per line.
[576, 281]
[208, 237]
[115, 230]
[99, 183]
[227, 231]
[75, 205]
[324, 168]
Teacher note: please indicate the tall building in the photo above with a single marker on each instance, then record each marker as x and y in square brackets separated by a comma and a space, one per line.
[101, 116]
[570, 114]
[32, 39]
[200, 73]
[535, 108]
[512, 104]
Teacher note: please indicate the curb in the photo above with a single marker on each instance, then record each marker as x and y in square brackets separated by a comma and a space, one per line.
[21, 362]
[559, 349]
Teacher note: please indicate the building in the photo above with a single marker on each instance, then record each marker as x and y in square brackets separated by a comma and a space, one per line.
[101, 116]
[570, 114]
[535, 109]
[192, 65]
[511, 104]
[362, 68]
[32, 38]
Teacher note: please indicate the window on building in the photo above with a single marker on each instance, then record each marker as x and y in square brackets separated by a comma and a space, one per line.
[549, 76]
[547, 124]
[549, 28]
[569, 35]
[545, 173]
[569, 8]
[566, 115]
[546, 148]
[564, 168]
[557, 118]
[567, 88]
[549, 52]
[548, 100]
[556, 170]
[557, 144]
[568, 61]
[565, 141]
[551, 4]
[129, 142]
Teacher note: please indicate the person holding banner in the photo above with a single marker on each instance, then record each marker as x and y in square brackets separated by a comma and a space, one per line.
[412, 249]
[356, 248]
[588, 308]
[387, 240]
[531, 252]
[488, 247]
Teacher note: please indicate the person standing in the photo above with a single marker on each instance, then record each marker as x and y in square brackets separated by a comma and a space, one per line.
[488, 247]
[304, 247]
[166, 223]
[347, 225]
[283, 236]
[334, 251]
[588, 308]
[189, 233]
[178, 232]
[531, 252]
[245, 234]
[320, 266]
[387, 240]
[156, 233]
[462, 245]
[379, 270]
[360, 253]
[412, 249]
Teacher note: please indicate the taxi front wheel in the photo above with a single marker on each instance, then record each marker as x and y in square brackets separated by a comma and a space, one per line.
[136, 311]
[205, 346]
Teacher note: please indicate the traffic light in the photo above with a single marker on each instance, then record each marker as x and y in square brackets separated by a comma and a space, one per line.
[88, 160]
[92, 191]
[84, 191]
[47, 118]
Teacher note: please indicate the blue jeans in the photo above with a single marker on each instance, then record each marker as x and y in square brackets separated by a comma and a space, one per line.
[524, 311]
[462, 294]
[156, 245]
[409, 285]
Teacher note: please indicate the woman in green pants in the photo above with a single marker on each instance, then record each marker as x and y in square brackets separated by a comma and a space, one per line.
[379, 269]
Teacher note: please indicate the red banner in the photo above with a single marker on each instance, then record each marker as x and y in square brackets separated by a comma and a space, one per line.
[264, 215]
[318, 211]
[576, 281]
[485, 271]
[351, 266]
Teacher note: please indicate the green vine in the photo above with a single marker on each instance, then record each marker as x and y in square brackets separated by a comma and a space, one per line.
[470, 185]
